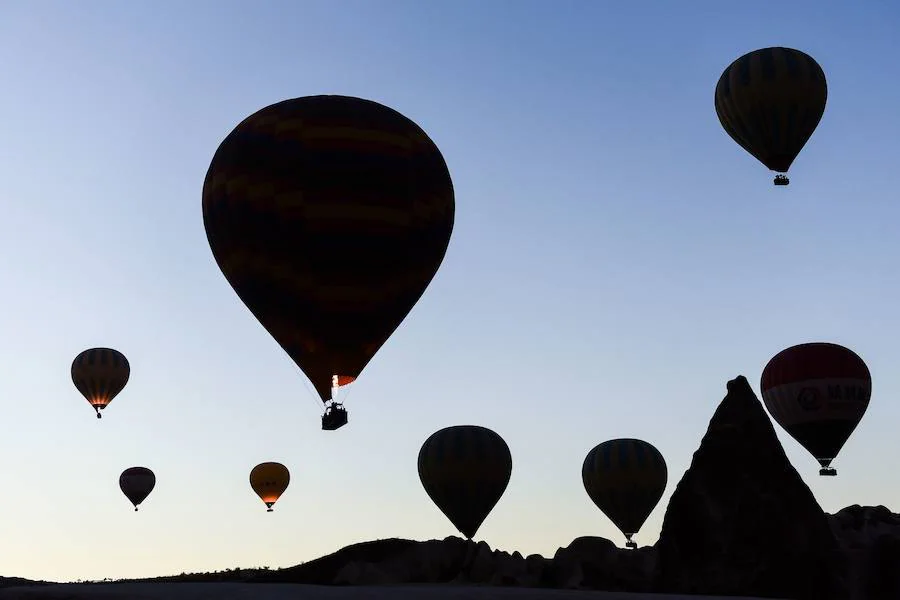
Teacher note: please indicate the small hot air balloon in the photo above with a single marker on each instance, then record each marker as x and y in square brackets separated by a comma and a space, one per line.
[329, 216]
[465, 470]
[770, 101]
[625, 478]
[818, 393]
[100, 374]
[269, 480]
[137, 483]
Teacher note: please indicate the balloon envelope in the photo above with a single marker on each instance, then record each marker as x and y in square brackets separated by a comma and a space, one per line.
[465, 470]
[818, 392]
[329, 216]
[770, 101]
[269, 480]
[625, 478]
[137, 483]
[100, 374]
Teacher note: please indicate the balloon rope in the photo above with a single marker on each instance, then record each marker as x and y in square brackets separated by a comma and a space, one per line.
[312, 393]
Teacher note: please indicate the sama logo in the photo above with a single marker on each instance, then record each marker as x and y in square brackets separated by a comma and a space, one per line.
[808, 398]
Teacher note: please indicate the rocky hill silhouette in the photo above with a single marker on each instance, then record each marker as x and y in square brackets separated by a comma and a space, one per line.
[741, 521]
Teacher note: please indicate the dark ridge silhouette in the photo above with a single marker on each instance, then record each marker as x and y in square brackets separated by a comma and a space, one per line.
[740, 522]
[6, 582]
[322, 571]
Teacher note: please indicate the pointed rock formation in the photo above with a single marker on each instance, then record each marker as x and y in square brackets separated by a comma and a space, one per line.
[741, 521]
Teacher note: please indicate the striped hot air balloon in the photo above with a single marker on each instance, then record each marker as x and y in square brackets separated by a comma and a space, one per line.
[329, 216]
[137, 483]
[625, 478]
[818, 392]
[100, 374]
[770, 101]
[465, 470]
[269, 480]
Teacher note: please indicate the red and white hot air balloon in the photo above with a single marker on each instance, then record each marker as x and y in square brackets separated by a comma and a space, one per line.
[817, 392]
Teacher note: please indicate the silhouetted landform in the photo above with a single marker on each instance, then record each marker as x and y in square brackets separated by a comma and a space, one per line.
[869, 537]
[740, 522]
[6, 582]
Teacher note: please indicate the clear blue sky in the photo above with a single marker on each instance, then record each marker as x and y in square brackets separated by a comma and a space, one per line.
[616, 259]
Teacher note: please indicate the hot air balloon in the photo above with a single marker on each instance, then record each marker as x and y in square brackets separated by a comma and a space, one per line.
[100, 374]
[269, 480]
[465, 470]
[770, 101]
[817, 392]
[625, 478]
[329, 216]
[137, 483]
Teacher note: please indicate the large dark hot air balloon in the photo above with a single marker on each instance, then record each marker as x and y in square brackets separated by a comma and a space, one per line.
[329, 216]
[770, 101]
[625, 478]
[818, 392]
[465, 470]
[100, 374]
[269, 480]
[137, 483]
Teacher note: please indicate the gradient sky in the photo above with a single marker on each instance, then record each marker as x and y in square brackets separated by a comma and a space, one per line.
[616, 258]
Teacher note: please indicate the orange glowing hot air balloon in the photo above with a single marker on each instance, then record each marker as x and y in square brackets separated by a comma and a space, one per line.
[100, 374]
[269, 480]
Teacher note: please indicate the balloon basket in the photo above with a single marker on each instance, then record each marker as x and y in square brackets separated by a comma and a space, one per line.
[781, 180]
[827, 472]
[334, 418]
